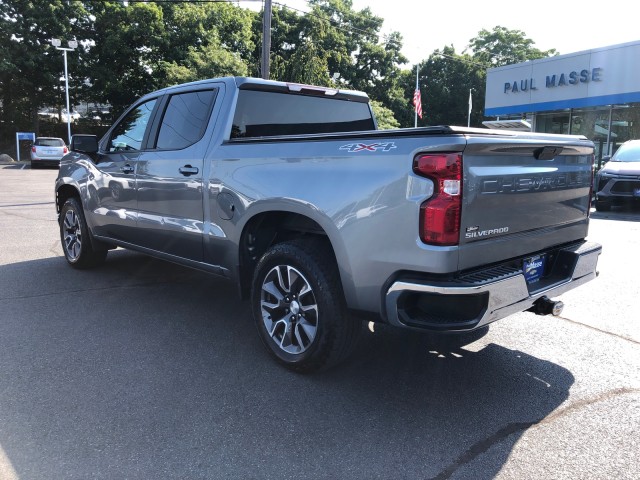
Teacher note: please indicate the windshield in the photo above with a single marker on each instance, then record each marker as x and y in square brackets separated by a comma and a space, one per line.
[628, 153]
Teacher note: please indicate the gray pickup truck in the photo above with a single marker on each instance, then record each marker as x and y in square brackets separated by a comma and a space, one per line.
[291, 192]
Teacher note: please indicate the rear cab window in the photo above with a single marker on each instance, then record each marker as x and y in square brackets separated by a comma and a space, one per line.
[49, 142]
[261, 113]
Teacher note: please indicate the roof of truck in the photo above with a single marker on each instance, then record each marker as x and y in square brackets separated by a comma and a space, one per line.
[250, 83]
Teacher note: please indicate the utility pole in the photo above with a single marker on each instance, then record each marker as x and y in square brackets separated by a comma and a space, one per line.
[266, 38]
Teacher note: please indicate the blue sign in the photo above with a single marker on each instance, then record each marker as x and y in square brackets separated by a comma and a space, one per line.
[23, 136]
[26, 136]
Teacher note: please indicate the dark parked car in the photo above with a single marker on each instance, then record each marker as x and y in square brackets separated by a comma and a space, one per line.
[618, 182]
[48, 151]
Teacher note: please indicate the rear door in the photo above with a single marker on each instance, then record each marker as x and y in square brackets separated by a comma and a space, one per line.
[522, 196]
[169, 179]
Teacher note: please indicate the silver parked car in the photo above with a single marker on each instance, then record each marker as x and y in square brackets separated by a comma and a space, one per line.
[48, 151]
[618, 182]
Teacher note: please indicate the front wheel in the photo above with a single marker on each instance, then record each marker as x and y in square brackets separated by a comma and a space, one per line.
[602, 206]
[299, 307]
[76, 239]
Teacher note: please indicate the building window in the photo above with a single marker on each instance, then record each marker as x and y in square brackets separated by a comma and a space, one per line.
[553, 122]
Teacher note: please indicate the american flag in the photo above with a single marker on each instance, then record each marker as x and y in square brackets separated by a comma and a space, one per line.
[417, 102]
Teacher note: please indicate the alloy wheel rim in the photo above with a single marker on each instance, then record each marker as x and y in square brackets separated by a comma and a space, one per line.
[289, 309]
[72, 235]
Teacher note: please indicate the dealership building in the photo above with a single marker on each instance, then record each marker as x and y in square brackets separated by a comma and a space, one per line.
[595, 93]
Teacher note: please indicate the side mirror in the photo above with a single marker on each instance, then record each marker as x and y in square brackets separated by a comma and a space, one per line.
[84, 144]
[606, 158]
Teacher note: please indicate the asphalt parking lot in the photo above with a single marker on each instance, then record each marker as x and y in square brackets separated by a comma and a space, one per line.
[144, 370]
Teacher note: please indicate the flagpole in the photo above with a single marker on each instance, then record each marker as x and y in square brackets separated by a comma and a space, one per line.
[415, 122]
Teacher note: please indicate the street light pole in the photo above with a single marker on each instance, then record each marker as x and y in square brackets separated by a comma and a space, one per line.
[72, 46]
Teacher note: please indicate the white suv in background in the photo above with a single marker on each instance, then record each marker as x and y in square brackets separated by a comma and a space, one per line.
[48, 151]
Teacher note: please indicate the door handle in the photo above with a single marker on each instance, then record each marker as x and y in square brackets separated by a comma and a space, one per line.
[127, 169]
[188, 170]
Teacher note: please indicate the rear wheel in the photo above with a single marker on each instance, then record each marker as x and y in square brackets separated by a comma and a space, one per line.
[299, 308]
[76, 239]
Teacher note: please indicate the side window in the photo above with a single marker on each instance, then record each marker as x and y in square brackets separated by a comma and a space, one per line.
[185, 119]
[129, 133]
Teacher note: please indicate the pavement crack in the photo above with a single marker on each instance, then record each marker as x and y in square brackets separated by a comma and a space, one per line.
[622, 337]
[484, 445]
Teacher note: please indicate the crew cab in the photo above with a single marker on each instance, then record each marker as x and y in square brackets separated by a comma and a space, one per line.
[321, 220]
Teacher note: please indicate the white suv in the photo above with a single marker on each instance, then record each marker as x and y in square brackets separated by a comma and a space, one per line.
[48, 151]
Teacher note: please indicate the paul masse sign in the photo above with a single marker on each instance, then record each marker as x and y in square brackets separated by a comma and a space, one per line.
[596, 77]
[552, 81]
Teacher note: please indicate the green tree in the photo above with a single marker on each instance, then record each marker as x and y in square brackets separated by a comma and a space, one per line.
[286, 25]
[30, 67]
[333, 45]
[208, 61]
[446, 77]
[125, 57]
[384, 116]
[145, 46]
[355, 50]
[502, 46]
[205, 40]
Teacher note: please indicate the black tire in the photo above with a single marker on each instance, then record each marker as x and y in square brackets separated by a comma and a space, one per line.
[298, 283]
[77, 243]
[603, 206]
[33, 165]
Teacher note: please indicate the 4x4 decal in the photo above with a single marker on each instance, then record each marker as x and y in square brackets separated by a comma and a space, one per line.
[371, 147]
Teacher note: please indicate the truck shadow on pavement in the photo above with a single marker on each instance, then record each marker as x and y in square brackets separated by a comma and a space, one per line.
[627, 213]
[142, 369]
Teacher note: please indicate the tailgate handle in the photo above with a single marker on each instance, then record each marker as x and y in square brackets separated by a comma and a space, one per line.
[546, 153]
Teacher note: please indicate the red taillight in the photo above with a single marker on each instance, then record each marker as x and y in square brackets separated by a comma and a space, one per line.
[440, 215]
[65, 150]
[33, 149]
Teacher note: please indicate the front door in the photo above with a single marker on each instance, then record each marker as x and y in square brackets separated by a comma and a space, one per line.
[169, 177]
[113, 202]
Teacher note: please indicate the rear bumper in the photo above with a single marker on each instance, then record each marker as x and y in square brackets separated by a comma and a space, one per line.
[45, 162]
[484, 296]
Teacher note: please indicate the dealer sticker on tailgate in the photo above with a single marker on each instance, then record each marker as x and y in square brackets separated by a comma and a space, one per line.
[533, 268]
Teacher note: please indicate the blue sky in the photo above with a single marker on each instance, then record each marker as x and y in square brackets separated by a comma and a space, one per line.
[564, 25]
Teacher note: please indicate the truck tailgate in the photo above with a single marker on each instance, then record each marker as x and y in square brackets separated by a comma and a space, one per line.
[522, 196]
